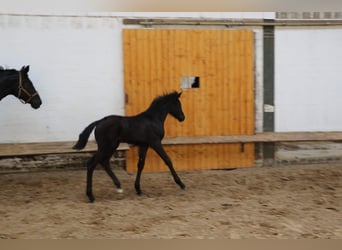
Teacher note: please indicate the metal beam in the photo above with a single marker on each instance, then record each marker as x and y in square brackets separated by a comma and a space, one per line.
[232, 22]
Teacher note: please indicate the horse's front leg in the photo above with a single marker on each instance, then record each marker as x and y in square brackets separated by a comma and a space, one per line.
[161, 152]
[141, 164]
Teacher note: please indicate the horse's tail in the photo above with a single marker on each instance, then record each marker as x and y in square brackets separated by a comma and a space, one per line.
[84, 136]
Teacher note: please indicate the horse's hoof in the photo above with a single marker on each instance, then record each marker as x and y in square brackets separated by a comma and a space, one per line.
[91, 199]
[120, 190]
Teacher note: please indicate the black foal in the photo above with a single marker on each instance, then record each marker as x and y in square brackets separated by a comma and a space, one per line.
[144, 130]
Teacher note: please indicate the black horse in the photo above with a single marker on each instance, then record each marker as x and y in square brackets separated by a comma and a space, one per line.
[144, 130]
[17, 83]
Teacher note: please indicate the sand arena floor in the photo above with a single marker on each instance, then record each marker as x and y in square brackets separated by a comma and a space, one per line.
[293, 202]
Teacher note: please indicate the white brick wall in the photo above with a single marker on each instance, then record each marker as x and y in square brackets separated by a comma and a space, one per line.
[308, 79]
[76, 66]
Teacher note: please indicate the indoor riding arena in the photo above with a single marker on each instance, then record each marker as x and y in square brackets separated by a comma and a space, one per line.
[259, 150]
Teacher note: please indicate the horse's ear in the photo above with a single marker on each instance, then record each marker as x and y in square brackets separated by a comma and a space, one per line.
[25, 69]
[180, 93]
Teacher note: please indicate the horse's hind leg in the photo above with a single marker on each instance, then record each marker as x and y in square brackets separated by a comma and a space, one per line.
[90, 170]
[108, 150]
[106, 166]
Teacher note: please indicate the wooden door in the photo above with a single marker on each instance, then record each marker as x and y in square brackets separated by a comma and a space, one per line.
[221, 102]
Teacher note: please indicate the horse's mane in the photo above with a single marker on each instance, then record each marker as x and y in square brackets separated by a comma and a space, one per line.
[161, 101]
[2, 69]
[5, 73]
[165, 98]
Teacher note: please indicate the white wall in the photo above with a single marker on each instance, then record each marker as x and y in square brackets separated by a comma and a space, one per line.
[308, 79]
[44, 6]
[76, 66]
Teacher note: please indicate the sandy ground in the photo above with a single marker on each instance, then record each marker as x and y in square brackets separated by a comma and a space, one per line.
[283, 202]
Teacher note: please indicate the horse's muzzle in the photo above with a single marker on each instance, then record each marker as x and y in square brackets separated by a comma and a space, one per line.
[36, 103]
[182, 118]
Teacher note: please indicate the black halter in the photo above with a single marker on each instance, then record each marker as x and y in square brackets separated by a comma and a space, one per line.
[22, 89]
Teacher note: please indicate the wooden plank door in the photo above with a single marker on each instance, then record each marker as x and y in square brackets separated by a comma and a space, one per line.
[221, 103]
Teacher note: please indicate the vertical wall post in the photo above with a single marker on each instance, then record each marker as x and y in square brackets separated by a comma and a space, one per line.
[268, 72]
[268, 78]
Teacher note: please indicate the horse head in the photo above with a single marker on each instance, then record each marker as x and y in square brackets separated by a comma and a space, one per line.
[26, 91]
[175, 109]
